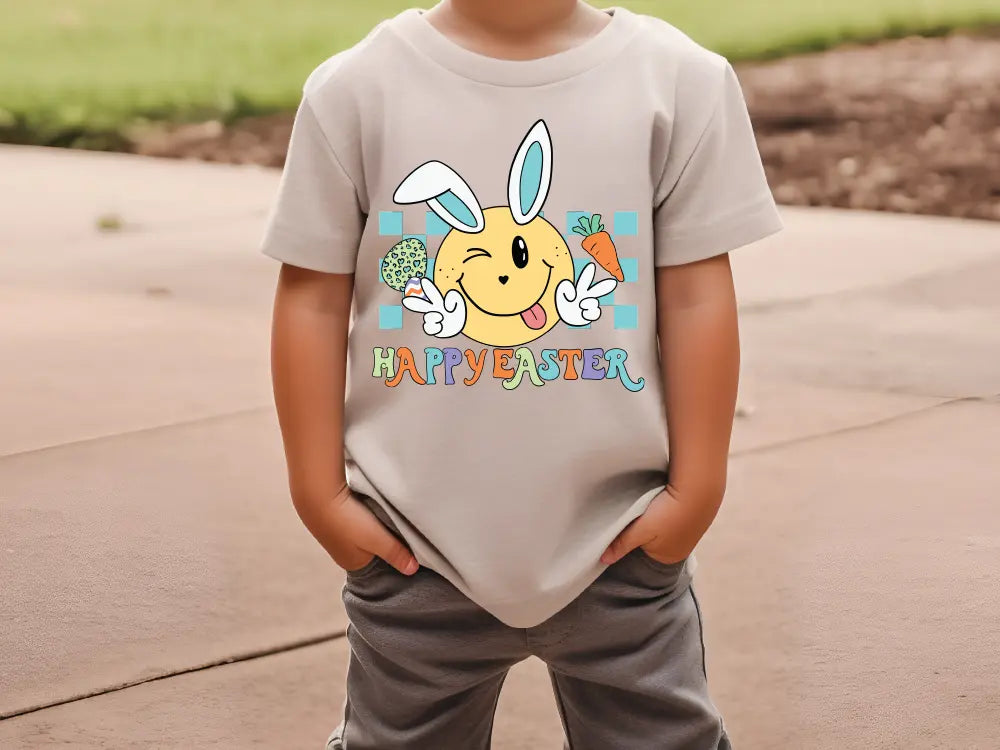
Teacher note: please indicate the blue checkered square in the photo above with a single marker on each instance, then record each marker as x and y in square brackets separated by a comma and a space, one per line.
[390, 222]
[626, 317]
[626, 222]
[572, 219]
[630, 268]
[390, 317]
[434, 224]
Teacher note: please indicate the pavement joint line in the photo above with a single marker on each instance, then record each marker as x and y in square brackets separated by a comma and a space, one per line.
[165, 228]
[763, 307]
[235, 659]
[255, 409]
[778, 445]
[183, 225]
[139, 431]
[991, 399]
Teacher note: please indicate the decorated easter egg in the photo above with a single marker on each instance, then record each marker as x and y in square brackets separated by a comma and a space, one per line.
[413, 289]
[405, 261]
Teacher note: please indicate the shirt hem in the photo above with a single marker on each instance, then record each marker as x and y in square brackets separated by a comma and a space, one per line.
[752, 225]
[295, 250]
[530, 612]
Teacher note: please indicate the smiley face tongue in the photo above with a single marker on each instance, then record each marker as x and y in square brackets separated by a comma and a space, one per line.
[534, 316]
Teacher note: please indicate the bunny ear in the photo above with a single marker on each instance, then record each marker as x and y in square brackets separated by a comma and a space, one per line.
[446, 194]
[530, 174]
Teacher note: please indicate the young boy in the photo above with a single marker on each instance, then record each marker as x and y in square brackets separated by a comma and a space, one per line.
[527, 205]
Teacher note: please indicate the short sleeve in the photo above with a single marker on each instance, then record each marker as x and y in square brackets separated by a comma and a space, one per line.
[316, 220]
[713, 196]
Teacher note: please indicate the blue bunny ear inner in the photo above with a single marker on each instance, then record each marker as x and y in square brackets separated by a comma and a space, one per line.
[530, 174]
[457, 208]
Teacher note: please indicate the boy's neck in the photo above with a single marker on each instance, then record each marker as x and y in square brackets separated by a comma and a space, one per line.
[517, 29]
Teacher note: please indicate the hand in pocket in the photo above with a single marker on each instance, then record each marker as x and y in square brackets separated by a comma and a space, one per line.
[353, 536]
[667, 532]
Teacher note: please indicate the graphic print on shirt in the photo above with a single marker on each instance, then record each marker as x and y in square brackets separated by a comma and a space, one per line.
[503, 276]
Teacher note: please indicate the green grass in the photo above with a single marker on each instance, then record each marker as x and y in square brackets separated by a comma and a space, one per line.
[76, 72]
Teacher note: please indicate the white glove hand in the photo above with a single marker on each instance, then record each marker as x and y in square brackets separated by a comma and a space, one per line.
[577, 304]
[444, 317]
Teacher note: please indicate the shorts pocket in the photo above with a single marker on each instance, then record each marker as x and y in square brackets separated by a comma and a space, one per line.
[666, 579]
[656, 564]
[637, 577]
[367, 569]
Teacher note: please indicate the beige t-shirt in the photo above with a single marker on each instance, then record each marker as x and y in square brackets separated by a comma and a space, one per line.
[503, 220]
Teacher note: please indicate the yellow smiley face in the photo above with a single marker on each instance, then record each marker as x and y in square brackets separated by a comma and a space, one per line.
[507, 274]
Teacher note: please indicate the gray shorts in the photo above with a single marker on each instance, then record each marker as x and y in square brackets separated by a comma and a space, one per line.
[626, 660]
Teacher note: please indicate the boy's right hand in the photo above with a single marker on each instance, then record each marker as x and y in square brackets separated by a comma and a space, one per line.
[353, 536]
[312, 312]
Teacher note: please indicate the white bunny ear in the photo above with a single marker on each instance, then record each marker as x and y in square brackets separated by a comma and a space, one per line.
[446, 194]
[530, 174]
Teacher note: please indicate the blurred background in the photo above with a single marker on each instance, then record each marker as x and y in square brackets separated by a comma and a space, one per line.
[157, 589]
[900, 124]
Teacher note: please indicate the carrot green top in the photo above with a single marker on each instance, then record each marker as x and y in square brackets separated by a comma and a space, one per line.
[589, 226]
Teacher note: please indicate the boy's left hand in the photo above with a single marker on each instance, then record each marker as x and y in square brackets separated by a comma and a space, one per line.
[668, 531]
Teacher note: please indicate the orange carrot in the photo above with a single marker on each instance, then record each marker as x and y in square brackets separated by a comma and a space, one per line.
[599, 244]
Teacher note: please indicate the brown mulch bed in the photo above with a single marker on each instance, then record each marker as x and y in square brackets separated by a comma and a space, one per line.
[911, 125]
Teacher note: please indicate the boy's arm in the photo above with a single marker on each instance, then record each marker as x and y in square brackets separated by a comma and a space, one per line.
[308, 367]
[700, 356]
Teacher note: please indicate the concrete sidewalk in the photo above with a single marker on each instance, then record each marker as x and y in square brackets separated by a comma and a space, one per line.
[146, 539]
